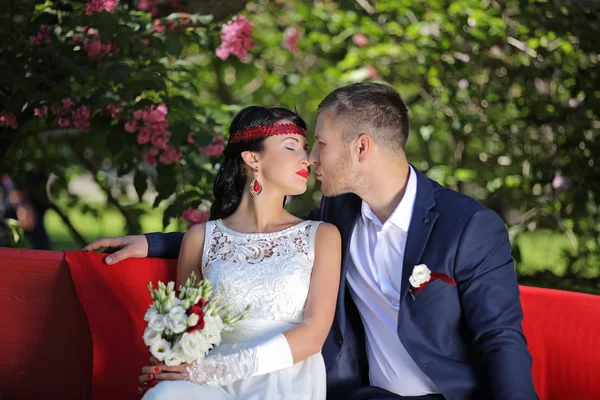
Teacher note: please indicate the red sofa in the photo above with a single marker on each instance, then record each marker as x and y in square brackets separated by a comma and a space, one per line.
[71, 329]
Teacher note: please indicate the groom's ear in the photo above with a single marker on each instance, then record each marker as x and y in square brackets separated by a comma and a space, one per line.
[364, 144]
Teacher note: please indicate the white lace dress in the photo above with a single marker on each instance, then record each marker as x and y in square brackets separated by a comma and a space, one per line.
[271, 272]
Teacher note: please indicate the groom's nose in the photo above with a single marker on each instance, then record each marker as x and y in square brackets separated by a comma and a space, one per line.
[313, 157]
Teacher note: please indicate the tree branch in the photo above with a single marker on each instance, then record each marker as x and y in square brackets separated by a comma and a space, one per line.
[222, 90]
[81, 241]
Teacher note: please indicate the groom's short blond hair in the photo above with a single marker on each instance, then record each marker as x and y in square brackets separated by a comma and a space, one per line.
[370, 108]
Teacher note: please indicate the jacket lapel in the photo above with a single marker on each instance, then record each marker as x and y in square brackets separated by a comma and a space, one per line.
[421, 224]
[346, 217]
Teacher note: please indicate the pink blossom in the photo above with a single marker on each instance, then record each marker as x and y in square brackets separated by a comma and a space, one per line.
[158, 26]
[149, 6]
[212, 150]
[150, 157]
[185, 19]
[81, 118]
[131, 126]
[560, 182]
[175, 4]
[113, 109]
[156, 114]
[42, 37]
[194, 216]
[160, 140]
[290, 39]
[41, 112]
[66, 104]
[96, 49]
[63, 111]
[9, 119]
[63, 122]
[145, 135]
[360, 40]
[372, 71]
[169, 156]
[96, 6]
[236, 38]
[139, 115]
[219, 140]
[76, 38]
[190, 139]
[463, 84]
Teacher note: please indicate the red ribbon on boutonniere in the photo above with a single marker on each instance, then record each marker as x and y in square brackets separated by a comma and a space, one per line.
[421, 276]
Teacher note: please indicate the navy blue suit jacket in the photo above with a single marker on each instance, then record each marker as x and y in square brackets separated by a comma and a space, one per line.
[467, 338]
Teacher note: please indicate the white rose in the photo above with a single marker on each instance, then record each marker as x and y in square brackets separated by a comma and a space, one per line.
[193, 319]
[152, 311]
[213, 325]
[176, 321]
[157, 322]
[194, 345]
[161, 349]
[176, 357]
[420, 275]
[151, 336]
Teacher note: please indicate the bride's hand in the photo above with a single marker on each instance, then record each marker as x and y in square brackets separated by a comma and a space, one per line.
[152, 375]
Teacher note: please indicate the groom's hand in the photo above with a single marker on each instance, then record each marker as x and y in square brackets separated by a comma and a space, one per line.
[122, 248]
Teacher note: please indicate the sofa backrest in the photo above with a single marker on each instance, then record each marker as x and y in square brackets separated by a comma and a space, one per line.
[46, 343]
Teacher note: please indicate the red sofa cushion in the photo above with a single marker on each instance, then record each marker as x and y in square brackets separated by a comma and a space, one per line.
[562, 328]
[563, 335]
[115, 299]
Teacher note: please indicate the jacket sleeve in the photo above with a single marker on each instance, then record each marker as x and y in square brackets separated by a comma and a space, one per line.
[164, 245]
[489, 294]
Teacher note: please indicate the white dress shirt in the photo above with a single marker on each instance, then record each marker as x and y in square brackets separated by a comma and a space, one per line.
[374, 275]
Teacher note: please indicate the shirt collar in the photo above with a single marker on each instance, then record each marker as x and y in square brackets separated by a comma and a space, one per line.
[403, 213]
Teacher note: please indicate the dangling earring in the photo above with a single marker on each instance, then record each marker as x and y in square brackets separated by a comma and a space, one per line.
[255, 186]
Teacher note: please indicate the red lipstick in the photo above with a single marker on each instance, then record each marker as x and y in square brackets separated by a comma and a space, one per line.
[303, 173]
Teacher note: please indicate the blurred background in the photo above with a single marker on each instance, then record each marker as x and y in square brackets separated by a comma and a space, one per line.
[113, 113]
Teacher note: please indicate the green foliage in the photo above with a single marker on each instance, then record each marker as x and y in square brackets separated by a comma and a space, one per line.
[503, 97]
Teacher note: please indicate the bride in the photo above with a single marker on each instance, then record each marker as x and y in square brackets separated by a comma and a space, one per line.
[256, 253]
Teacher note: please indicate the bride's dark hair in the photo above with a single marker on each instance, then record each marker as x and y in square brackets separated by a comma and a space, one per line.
[231, 180]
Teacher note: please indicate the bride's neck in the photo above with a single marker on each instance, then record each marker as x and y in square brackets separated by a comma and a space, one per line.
[262, 213]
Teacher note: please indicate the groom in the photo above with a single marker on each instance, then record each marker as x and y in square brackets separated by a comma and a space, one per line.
[395, 336]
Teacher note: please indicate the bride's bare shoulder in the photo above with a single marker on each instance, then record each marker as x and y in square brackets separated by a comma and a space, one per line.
[195, 234]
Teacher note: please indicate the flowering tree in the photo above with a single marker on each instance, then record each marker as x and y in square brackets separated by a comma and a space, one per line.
[104, 87]
[503, 99]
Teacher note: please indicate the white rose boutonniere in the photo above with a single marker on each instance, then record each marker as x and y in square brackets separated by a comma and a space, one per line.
[421, 276]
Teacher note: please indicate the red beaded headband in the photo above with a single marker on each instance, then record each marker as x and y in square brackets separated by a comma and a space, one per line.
[264, 131]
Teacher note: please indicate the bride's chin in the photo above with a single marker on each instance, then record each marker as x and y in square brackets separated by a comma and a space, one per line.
[297, 191]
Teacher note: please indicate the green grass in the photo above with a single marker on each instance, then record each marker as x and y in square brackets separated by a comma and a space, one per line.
[111, 224]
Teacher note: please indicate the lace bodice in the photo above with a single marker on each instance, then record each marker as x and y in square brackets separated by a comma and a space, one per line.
[268, 271]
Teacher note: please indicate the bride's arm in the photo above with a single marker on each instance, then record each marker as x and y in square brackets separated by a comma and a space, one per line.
[308, 338]
[190, 254]
[283, 350]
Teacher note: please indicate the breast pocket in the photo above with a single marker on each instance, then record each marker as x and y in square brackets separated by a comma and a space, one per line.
[436, 312]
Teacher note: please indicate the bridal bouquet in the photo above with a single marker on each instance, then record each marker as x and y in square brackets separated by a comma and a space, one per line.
[183, 328]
